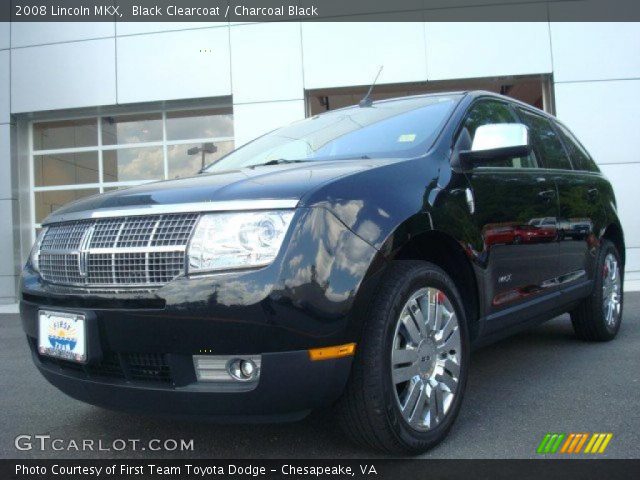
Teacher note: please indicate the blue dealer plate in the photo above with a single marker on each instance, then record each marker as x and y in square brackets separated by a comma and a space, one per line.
[62, 335]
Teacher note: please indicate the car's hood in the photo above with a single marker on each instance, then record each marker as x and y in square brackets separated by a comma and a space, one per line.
[276, 182]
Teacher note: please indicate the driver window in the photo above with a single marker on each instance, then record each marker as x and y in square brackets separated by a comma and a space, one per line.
[488, 112]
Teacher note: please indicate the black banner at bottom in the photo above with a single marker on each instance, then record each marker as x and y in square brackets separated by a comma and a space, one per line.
[320, 469]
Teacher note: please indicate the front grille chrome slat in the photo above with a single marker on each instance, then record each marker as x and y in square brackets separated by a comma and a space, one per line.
[118, 252]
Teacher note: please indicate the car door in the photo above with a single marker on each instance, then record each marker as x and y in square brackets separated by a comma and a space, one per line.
[576, 198]
[512, 198]
[581, 190]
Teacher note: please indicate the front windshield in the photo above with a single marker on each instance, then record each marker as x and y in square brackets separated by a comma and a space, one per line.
[400, 128]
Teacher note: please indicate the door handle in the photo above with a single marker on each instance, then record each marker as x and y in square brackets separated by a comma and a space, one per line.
[547, 195]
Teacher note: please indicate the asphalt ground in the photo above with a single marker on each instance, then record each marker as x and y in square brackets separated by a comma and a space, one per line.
[542, 380]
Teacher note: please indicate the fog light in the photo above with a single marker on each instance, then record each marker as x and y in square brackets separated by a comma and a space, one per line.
[227, 369]
[247, 368]
[243, 370]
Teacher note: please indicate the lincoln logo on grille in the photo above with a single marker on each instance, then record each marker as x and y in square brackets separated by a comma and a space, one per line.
[83, 250]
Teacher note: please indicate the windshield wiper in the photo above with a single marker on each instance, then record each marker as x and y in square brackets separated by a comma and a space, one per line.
[283, 161]
[352, 157]
[276, 161]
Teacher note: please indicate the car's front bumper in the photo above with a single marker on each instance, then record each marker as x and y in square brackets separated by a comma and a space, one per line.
[290, 386]
[142, 359]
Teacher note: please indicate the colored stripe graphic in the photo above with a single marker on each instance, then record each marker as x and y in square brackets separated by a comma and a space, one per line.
[605, 443]
[573, 448]
[598, 443]
[550, 443]
[574, 442]
[556, 444]
[543, 443]
[565, 447]
[581, 442]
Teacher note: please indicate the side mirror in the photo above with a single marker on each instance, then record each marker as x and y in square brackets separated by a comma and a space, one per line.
[497, 141]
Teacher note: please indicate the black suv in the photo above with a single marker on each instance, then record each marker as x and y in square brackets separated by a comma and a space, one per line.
[350, 259]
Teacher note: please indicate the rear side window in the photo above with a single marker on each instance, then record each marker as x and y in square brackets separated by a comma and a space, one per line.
[487, 112]
[546, 143]
[579, 156]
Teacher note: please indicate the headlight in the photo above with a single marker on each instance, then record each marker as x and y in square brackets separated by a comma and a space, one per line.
[33, 256]
[225, 241]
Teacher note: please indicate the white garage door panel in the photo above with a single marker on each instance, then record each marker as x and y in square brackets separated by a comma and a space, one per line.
[346, 54]
[473, 50]
[64, 75]
[595, 51]
[266, 62]
[255, 119]
[604, 117]
[24, 34]
[174, 65]
[624, 180]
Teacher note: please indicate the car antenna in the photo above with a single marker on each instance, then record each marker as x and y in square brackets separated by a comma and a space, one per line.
[367, 101]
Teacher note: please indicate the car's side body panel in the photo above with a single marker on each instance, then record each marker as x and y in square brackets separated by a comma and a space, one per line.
[516, 238]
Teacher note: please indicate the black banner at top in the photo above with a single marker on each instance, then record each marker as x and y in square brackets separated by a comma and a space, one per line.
[318, 10]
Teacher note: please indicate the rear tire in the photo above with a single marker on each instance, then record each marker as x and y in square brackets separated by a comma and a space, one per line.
[598, 316]
[406, 386]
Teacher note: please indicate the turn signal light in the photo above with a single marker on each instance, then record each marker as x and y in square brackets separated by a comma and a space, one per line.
[327, 353]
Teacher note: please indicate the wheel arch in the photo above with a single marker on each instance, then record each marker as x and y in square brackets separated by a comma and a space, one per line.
[614, 234]
[447, 253]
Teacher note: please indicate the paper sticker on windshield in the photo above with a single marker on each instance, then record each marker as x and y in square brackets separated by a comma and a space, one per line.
[407, 137]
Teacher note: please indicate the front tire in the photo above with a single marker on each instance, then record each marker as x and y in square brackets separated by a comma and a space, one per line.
[598, 316]
[410, 370]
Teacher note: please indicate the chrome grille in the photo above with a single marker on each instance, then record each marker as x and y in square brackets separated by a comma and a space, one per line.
[60, 268]
[65, 236]
[116, 252]
[130, 268]
[105, 234]
[136, 232]
[164, 266]
[100, 271]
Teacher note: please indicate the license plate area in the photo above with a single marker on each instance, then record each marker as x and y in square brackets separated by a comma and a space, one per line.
[62, 335]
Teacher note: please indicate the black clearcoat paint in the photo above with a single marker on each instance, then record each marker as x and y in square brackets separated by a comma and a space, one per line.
[353, 218]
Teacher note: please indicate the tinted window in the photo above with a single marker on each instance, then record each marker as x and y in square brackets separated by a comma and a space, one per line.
[545, 141]
[487, 112]
[579, 156]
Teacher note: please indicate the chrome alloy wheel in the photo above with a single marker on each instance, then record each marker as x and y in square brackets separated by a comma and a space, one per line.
[425, 358]
[611, 287]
